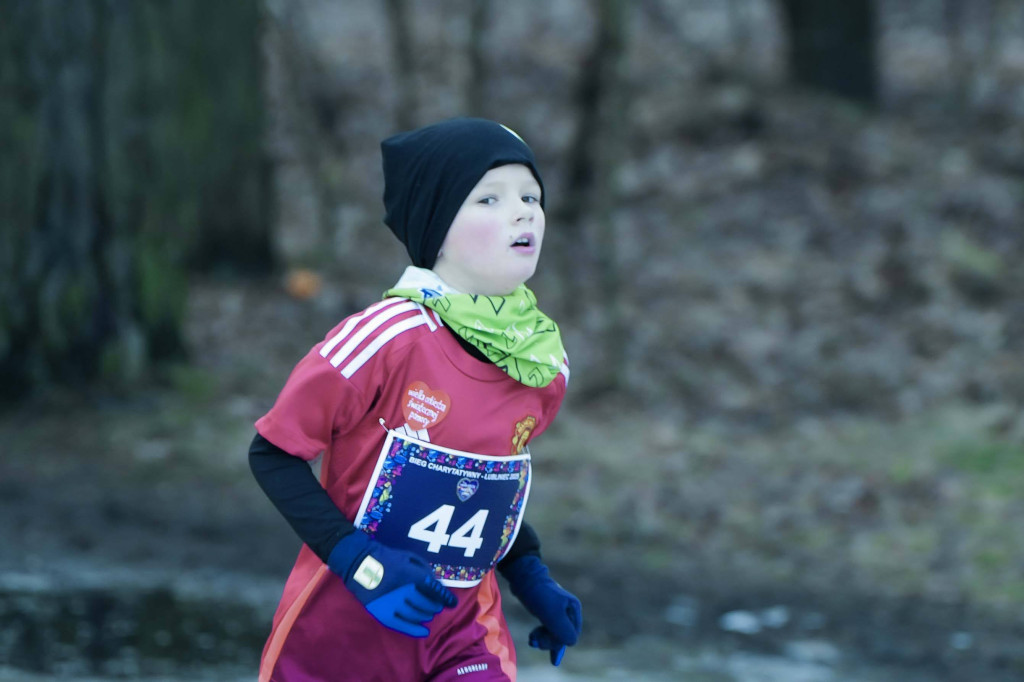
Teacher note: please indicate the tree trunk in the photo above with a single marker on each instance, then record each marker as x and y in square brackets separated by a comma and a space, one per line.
[102, 190]
[476, 78]
[402, 51]
[832, 46]
[587, 232]
[66, 298]
[220, 107]
[611, 151]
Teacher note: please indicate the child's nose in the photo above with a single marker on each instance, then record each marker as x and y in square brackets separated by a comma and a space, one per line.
[524, 214]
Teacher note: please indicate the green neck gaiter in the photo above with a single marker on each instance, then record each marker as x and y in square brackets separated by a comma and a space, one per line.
[510, 330]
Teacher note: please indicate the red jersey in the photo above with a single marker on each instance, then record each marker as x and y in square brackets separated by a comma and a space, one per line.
[397, 362]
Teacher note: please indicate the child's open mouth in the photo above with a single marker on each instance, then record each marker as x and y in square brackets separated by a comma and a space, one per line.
[525, 243]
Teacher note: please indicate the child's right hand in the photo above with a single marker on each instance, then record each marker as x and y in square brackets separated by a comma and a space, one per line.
[396, 587]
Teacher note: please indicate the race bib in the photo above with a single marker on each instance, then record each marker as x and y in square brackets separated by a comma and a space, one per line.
[458, 510]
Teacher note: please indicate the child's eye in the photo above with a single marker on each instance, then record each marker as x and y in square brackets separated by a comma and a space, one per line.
[488, 200]
[531, 199]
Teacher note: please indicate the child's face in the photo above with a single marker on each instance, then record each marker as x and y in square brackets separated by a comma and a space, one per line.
[494, 241]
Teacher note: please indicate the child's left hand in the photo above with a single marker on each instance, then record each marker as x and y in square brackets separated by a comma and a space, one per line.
[558, 610]
[541, 638]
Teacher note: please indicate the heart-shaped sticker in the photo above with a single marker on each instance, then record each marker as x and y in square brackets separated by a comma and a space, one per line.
[423, 407]
[466, 487]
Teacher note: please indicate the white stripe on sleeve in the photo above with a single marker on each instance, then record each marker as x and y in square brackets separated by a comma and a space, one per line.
[426, 316]
[391, 332]
[371, 326]
[350, 325]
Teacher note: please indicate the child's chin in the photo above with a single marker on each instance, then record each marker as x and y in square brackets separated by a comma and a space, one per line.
[502, 287]
[498, 289]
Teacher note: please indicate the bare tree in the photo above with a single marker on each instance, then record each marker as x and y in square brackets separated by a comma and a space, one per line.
[218, 102]
[479, 12]
[70, 297]
[973, 37]
[399, 16]
[739, 29]
[587, 215]
[832, 46]
[107, 182]
[308, 110]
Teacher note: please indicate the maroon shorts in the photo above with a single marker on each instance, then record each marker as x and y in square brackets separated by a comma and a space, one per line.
[324, 634]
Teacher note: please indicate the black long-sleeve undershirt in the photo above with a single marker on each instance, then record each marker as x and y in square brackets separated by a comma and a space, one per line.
[290, 484]
[293, 488]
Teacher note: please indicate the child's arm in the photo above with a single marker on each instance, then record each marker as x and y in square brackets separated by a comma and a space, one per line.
[526, 543]
[557, 609]
[395, 586]
[291, 486]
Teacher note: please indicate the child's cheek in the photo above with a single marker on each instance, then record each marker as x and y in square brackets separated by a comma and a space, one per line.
[483, 232]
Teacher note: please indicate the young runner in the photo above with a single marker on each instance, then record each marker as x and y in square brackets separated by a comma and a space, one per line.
[422, 407]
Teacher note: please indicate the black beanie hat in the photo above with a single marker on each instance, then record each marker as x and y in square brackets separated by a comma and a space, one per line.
[429, 172]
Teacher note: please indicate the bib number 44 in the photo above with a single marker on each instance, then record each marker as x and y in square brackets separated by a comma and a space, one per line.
[433, 530]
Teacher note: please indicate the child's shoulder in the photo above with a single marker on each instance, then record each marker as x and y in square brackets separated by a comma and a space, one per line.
[379, 328]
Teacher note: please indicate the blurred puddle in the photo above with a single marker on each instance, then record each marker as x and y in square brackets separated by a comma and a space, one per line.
[172, 633]
[132, 634]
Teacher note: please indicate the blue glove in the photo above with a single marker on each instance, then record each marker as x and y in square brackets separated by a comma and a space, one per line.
[397, 587]
[558, 610]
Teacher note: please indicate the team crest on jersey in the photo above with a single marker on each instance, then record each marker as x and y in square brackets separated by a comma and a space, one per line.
[523, 431]
[465, 488]
[424, 407]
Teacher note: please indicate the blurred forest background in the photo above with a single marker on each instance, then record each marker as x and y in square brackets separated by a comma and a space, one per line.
[781, 246]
